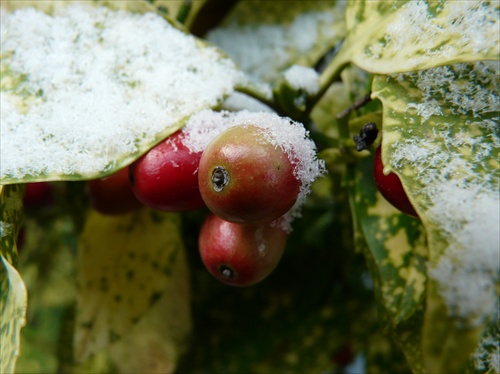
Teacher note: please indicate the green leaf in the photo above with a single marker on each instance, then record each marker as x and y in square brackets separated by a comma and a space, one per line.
[125, 266]
[398, 36]
[267, 37]
[82, 115]
[440, 135]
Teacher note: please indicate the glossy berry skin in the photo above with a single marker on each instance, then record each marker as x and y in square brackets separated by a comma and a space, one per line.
[240, 255]
[244, 179]
[166, 178]
[113, 194]
[390, 187]
[38, 195]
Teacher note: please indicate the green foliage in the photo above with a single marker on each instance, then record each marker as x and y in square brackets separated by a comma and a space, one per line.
[360, 282]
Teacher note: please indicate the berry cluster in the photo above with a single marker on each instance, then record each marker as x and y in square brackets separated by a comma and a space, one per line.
[244, 179]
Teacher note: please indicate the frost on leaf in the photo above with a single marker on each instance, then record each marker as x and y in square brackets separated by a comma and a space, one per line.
[88, 89]
[441, 136]
[398, 36]
[125, 265]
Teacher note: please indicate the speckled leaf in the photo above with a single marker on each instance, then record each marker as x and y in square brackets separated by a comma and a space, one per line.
[125, 265]
[13, 295]
[441, 136]
[105, 92]
[399, 36]
[154, 344]
[267, 37]
[396, 253]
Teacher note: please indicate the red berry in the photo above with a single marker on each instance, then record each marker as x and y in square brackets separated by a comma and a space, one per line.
[113, 194]
[244, 178]
[166, 178]
[240, 255]
[390, 187]
[38, 195]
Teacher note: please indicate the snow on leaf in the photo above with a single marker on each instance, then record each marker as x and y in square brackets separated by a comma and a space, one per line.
[86, 90]
[447, 159]
[266, 38]
[125, 266]
[396, 36]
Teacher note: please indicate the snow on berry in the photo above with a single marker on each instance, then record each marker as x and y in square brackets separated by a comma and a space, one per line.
[282, 132]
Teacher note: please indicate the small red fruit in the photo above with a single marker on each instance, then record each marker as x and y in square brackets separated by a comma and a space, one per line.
[112, 194]
[240, 255]
[390, 187]
[38, 195]
[166, 178]
[244, 178]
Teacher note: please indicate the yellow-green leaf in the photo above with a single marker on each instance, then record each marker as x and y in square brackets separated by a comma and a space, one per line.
[125, 265]
[154, 344]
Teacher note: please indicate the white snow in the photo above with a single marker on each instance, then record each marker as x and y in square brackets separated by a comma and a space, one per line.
[282, 132]
[98, 85]
[302, 78]
[454, 164]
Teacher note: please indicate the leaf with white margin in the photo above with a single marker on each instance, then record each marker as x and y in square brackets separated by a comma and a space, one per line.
[125, 266]
[388, 37]
[87, 90]
[267, 37]
[154, 344]
[441, 136]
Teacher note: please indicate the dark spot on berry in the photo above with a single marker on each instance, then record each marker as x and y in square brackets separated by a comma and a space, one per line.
[220, 178]
[226, 272]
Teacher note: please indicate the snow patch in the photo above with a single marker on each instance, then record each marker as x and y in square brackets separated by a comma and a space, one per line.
[303, 78]
[96, 85]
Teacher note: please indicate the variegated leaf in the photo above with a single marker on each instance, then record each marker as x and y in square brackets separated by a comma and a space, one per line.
[441, 136]
[396, 253]
[154, 344]
[13, 295]
[125, 265]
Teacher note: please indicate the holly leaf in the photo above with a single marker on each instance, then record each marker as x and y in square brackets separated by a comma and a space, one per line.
[388, 37]
[104, 93]
[13, 296]
[125, 265]
[440, 135]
